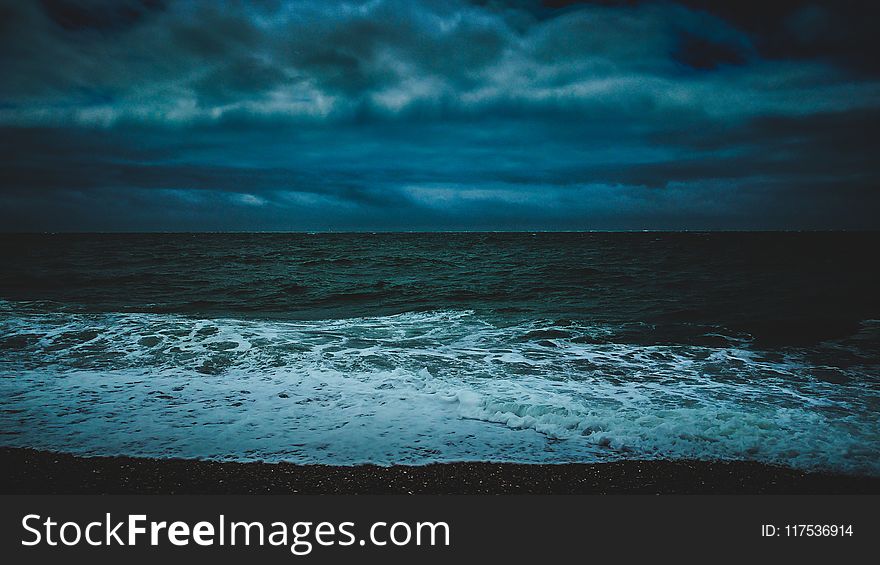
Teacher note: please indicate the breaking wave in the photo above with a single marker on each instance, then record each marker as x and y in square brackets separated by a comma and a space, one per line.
[421, 387]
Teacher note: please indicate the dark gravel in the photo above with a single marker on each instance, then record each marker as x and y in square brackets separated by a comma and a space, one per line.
[27, 471]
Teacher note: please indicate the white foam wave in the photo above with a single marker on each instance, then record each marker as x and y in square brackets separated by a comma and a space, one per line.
[417, 388]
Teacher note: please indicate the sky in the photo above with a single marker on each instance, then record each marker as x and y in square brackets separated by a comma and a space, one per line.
[386, 115]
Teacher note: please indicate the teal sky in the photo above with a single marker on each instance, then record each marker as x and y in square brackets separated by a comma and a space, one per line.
[400, 115]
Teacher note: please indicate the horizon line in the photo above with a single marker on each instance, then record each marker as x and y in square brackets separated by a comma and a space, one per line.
[417, 232]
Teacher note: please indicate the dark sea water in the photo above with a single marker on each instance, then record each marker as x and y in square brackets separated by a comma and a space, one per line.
[413, 348]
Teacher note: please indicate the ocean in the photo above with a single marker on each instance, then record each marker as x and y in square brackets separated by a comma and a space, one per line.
[419, 348]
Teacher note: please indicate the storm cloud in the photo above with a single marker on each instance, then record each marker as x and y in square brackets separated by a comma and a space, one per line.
[150, 115]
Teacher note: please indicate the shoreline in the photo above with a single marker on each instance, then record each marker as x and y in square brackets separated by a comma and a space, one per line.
[29, 471]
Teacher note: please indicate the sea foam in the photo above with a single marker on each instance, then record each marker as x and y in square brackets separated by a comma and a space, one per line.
[417, 388]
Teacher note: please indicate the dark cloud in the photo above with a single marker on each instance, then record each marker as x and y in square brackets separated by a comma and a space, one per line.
[387, 114]
[704, 53]
[99, 15]
[839, 30]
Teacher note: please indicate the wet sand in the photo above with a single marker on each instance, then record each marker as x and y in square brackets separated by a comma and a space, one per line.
[27, 471]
